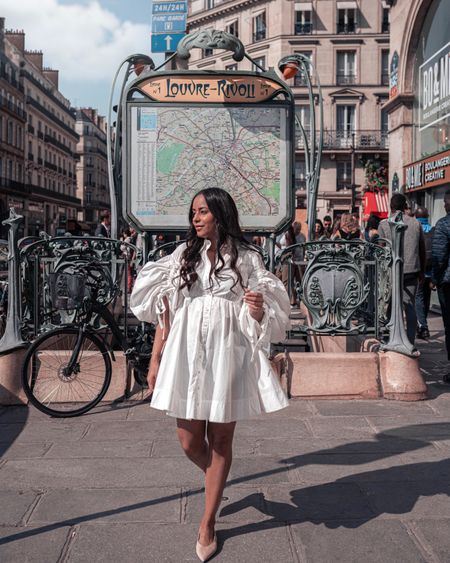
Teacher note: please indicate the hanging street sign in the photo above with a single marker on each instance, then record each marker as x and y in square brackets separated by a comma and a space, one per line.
[173, 23]
[179, 7]
[164, 42]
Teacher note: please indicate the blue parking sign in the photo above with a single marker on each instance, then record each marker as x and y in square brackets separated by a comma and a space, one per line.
[173, 23]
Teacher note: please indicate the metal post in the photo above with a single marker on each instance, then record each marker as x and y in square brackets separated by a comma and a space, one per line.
[313, 150]
[398, 340]
[12, 337]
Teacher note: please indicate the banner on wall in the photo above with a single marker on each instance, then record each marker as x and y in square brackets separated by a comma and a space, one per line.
[434, 88]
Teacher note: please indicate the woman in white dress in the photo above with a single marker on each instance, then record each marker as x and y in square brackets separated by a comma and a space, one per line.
[217, 309]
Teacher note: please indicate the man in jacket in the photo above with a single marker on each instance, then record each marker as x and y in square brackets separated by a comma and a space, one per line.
[104, 228]
[423, 296]
[441, 271]
[413, 260]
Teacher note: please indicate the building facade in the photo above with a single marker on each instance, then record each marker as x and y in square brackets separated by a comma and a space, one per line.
[419, 104]
[91, 168]
[13, 120]
[348, 43]
[43, 187]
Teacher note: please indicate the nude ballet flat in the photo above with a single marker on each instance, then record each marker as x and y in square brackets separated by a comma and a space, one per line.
[204, 552]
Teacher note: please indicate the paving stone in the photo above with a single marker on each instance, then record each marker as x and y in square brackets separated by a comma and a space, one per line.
[110, 449]
[355, 541]
[35, 431]
[152, 504]
[32, 544]
[365, 408]
[298, 408]
[21, 413]
[436, 535]
[29, 450]
[290, 446]
[344, 468]
[273, 428]
[130, 430]
[382, 445]
[317, 503]
[410, 427]
[14, 504]
[241, 504]
[106, 411]
[417, 499]
[176, 543]
[146, 412]
[258, 470]
[97, 473]
[347, 427]
[172, 447]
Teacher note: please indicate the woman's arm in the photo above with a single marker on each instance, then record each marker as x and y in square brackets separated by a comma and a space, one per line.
[159, 342]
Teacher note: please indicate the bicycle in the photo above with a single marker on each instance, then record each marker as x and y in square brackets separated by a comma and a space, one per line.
[67, 370]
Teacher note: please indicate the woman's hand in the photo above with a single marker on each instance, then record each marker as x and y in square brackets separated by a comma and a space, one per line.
[152, 375]
[255, 303]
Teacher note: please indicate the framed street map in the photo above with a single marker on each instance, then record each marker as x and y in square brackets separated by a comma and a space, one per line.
[176, 148]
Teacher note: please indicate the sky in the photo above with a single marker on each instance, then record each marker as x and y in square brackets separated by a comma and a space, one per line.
[85, 40]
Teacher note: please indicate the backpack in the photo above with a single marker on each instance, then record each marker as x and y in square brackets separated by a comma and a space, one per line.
[428, 254]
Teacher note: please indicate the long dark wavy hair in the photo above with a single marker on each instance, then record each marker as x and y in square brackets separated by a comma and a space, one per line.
[229, 232]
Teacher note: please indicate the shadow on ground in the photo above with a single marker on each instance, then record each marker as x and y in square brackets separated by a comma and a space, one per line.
[349, 501]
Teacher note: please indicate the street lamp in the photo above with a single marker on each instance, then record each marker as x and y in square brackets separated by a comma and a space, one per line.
[289, 66]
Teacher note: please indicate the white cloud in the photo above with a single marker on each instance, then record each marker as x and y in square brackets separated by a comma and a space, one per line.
[84, 41]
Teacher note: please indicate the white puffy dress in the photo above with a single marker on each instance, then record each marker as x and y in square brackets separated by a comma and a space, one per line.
[214, 366]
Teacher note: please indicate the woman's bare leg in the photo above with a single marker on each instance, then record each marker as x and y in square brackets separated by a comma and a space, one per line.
[220, 439]
[191, 434]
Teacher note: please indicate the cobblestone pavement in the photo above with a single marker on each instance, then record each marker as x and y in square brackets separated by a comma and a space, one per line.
[322, 481]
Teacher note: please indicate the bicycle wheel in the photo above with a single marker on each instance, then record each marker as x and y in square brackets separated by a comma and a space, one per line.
[46, 380]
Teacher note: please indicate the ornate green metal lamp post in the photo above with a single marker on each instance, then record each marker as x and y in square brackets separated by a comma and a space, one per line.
[290, 66]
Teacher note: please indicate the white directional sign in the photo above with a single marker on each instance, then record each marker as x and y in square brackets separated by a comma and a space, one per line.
[164, 42]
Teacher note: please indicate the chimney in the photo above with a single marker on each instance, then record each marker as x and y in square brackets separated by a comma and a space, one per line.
[91, 113]
[52, 75]
[35, 58]
[17, 38]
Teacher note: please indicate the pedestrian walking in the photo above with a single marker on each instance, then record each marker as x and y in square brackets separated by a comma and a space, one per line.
[348, 228]
[327, 226]
[371, 230]
[413, 260]
[441, 271]
[104, 227]
[318, 230]
[217, 310]
[423, 296]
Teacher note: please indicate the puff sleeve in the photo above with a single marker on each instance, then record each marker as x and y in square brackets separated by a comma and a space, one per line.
[275, 321]
[155, 281]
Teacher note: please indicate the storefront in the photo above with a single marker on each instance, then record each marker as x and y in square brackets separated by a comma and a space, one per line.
[426, 182]
[419, 105]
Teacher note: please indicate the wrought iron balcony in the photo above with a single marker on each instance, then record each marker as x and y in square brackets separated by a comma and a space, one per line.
[345, 78]
[11, 184]
[303, 28]
[344, 185]
[346, 28]
[361, 140]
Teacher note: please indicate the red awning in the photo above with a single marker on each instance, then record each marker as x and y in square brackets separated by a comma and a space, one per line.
[376, 203]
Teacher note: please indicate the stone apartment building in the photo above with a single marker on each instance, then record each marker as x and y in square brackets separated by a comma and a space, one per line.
[42, 187]
[348, 43]
[91, 168]
[12, 135]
